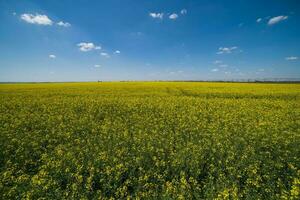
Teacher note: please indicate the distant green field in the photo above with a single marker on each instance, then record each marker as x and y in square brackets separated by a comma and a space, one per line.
[150, 140]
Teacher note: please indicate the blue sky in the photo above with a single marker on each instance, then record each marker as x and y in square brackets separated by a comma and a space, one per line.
[85, 40]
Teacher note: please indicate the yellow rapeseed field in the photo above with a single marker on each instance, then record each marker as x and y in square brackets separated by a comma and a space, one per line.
[149, 140]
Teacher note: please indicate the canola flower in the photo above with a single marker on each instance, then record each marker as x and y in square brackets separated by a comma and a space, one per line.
[149, 140]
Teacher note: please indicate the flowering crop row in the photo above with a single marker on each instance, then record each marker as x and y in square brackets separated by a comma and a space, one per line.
[149, 140]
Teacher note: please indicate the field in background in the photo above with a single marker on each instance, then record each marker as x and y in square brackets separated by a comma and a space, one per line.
[154, 140]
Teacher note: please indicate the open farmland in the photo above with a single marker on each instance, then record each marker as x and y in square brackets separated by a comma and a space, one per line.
[150, 140]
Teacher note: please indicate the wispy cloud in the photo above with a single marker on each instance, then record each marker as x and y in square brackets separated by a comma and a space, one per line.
[157, 15]
[259, 20]
[97, 66]
[176, 72]
[183, 11]
[87, 46]
[226, 50]
[52, 56]
[215, 70]
[275, 20]
[106, 55]
[64, 24]
[117, 52]
[218, 62]
[36, 19]
[173, 16]
[292, 58]
[223, 65]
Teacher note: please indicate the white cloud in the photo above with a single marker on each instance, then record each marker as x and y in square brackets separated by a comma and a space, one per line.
[223, 50]
[292, 58]
[97, 66]
[277, 19]
[36, 19]
[156, 15]
[104, 54]
[183, 11]
[259, 20]
[223, 65]
[52, 56]
[176, 72]
[87, 46]
[218, 62]
[14, 13]
[64, 24]
[173, 16]
[117, 52]
[215, 70]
